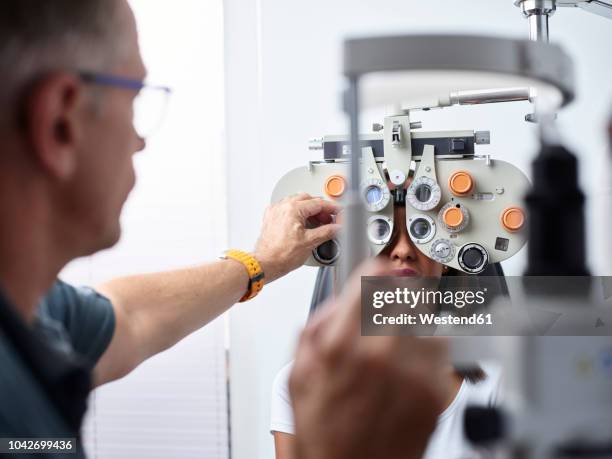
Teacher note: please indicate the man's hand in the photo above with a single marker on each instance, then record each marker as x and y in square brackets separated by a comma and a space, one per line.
[291, 229]
[364, 397]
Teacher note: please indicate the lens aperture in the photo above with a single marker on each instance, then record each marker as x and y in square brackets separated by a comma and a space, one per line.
[379, 230]
[423, 192]
[420, 228]
[373, 194]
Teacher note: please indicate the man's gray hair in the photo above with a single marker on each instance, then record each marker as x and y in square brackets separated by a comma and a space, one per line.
[39, 36]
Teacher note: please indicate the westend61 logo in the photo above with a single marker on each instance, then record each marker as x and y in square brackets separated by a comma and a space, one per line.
[422, 297]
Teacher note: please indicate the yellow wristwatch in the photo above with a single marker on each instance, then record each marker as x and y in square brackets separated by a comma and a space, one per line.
[256, 274]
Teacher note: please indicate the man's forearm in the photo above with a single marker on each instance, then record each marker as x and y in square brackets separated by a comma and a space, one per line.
[155, 311]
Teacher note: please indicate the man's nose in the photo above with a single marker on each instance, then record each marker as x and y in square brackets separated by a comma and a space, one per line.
[141, 145]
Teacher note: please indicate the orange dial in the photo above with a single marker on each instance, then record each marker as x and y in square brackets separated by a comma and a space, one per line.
[453, 217]
[461, 183]
[335, 186]
[513, 219]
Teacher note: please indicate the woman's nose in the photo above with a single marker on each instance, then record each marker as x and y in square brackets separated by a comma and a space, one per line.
[403, 248]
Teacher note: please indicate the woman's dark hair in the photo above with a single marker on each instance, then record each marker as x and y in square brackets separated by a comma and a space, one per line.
[473, 374]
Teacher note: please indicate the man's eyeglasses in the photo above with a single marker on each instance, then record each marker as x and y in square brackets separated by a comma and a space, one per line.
[149, 105]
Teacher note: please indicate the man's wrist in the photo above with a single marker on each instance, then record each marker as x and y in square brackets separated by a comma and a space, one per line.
[269, 267]
[253, 268]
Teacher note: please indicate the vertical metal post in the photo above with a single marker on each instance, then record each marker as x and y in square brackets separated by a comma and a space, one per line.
[353, 106]
[538, 27]
[537, 13]
[353, 238]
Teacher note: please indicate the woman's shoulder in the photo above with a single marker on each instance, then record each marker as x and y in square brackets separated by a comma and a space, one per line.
[281, 415]
[280, 387]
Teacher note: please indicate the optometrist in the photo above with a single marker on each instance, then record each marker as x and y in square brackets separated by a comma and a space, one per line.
[70, 80]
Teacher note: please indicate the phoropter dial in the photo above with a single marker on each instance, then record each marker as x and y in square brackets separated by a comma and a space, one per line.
[424, 193]
[473, 258]
[442, 250]
[375, 194]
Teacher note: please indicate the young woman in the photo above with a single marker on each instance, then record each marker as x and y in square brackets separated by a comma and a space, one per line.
[476, 386]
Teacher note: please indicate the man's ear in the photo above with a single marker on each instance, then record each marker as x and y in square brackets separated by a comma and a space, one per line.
[54, 122]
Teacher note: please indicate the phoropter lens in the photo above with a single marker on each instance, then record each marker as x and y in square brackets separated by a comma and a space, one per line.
[379, 230]
[373, 194]
[423, 192]
[420, 228]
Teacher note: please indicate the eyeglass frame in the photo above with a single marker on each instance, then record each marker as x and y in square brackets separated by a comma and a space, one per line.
[106, 79]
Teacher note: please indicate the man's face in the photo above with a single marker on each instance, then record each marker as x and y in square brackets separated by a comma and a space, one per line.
[105, 172]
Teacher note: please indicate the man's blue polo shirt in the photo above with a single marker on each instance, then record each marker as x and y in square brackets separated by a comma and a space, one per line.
[45, 369]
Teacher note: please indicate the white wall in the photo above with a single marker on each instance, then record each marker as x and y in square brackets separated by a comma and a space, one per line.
[283, 81]
[174, 405]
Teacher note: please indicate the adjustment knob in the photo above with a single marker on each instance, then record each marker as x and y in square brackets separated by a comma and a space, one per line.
[327, 253]
[442, 251]
[335, 186]
[461, 183]
[513, 219]
[473, 258]
[453, 217]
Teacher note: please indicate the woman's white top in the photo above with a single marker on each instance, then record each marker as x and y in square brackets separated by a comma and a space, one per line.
[446, 442]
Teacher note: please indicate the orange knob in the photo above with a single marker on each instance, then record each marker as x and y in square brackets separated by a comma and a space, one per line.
[335, 186]
[461, 183]
[513, 218]
[453, 217]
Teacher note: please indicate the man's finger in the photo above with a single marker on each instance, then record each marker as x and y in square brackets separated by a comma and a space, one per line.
[319, 235]
[322, 218]
[311, 207]
[299, 196]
